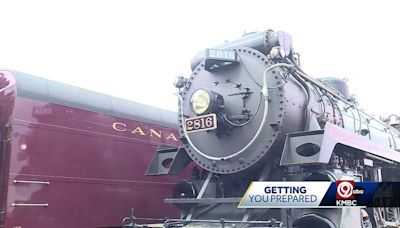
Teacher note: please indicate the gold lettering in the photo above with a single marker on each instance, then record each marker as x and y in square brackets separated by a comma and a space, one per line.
[138, 130]
[158, 134]
[119, 126]
[172, 136]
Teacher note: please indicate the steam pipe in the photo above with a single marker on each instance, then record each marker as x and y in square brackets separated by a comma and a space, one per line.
[333, 93]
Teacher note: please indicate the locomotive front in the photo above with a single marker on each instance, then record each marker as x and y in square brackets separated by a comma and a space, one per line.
[248, 112]
[239, 102]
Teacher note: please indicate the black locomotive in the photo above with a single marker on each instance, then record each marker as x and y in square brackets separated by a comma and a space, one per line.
[248, 112]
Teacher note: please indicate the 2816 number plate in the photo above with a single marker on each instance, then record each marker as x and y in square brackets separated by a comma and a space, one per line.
[201, 123]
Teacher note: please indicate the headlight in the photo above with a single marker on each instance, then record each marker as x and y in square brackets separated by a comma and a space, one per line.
[200, 101]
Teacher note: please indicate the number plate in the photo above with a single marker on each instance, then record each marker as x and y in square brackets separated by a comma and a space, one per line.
[201, 123]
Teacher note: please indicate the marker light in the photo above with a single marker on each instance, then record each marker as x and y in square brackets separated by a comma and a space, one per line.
[179, 82]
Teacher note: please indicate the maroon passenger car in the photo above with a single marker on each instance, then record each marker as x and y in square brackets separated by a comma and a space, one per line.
[75, 158]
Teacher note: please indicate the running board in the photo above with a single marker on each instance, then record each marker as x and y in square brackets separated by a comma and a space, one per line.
[316, 147]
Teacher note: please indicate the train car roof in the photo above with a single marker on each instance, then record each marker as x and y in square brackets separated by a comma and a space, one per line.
[34, 87]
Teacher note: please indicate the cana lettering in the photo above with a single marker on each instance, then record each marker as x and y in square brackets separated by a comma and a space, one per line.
[121, 127]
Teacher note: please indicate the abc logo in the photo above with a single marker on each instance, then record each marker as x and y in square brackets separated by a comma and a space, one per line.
[345, 190]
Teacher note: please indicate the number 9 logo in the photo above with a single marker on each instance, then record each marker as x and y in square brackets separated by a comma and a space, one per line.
[345, 189]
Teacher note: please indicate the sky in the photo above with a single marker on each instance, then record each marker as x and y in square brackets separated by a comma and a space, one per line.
[135, 49]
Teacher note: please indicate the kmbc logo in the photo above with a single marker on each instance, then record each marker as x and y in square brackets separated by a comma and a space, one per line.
[344, 189]
[346, 192]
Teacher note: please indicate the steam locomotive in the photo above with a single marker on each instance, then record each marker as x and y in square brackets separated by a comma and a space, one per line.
[248, 112]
